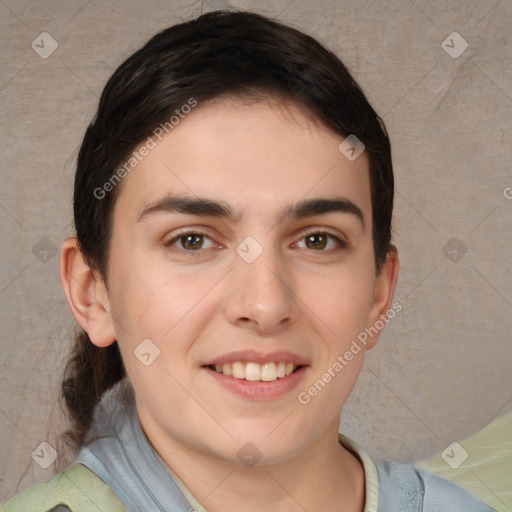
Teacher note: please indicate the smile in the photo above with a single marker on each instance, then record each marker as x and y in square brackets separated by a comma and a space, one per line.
[252, 371]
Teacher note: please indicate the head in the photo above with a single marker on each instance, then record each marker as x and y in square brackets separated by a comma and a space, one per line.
[217, 220]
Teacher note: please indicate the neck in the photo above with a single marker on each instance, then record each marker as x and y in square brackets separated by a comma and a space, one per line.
[326, 476]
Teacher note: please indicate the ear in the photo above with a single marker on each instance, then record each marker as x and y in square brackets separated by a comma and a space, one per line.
[87, 294]
[384, 291]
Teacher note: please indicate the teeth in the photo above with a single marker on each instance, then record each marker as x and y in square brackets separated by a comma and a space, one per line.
[267, 372]
[225, 369]
[252, 371]
[238, 370]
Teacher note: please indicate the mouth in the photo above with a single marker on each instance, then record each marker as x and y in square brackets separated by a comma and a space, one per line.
[254, 372]
[255, 375]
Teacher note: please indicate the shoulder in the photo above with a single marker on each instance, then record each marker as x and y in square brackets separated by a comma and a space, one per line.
[481, 463]
[407, 487]
[76, 489]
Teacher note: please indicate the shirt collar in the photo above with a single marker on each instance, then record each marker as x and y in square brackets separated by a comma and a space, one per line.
[371, 475]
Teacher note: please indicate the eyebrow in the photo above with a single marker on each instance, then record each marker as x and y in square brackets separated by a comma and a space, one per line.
[312, 207]
[211, 208]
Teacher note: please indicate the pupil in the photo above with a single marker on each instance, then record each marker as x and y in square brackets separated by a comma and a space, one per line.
[317, 241]
[192, 241]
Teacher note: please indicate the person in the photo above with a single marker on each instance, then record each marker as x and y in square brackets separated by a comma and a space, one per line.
[231, 266]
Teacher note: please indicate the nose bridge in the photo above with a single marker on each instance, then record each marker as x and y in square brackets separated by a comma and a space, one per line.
[261, 292]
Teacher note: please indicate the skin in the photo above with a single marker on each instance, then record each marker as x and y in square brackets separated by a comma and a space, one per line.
[196, 305]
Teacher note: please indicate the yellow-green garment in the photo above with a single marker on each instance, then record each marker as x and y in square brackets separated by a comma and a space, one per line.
[487, 470]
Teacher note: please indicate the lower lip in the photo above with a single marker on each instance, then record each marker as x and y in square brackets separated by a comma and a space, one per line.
[259, 390]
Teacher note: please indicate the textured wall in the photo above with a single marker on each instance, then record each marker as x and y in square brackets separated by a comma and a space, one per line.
[442, 369]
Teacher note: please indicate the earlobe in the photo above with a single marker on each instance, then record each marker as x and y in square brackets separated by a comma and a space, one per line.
[86, 294]
[384, 292]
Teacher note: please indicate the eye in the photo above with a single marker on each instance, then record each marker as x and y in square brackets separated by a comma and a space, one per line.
[190, 241]
[321, 241]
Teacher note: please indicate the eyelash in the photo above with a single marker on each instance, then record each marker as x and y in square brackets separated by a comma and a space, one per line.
[176, 238]
[342, 244]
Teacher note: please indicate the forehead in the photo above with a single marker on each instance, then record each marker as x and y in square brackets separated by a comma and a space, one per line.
[252, 156]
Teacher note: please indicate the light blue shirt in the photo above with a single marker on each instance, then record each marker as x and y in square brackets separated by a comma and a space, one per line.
[120, 454]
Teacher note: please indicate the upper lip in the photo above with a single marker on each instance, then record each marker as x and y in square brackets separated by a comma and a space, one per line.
[259, 357]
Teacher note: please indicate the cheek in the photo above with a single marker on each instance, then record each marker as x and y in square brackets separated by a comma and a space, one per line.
[159, 326]
[170, 310]
[341, 299]
[154, 301]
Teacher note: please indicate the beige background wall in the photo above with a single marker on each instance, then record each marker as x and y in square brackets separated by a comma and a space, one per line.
[442, 370]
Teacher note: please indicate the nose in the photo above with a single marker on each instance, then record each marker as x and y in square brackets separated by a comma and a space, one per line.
[261, 295]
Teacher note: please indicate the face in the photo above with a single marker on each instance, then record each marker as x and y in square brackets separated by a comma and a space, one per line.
[242, 250]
